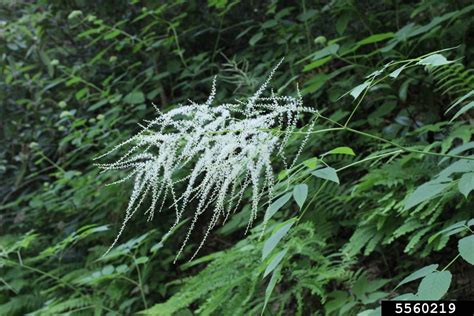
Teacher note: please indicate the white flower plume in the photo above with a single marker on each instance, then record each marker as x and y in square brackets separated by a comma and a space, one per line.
[223, 150]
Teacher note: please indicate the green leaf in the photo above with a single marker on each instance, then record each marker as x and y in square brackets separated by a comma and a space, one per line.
[326, 51]
[72, 81]
[466, 183]
[327, 173]
[300, 193]
[81, 93]
[275, 206]
[275, 238]
[311, 163]
[342, 151]
[434, 286]
[274, 262]
[424, 193]
[359, 89]
[317, 63]
[418, 274]
[270, 287]
[434, 60]
[112, 34]
[134, 97]
[254, 39]
[466, 248]
[141, 260]
[376, 38]
[109, 269]
[463, 110]
[394, 74]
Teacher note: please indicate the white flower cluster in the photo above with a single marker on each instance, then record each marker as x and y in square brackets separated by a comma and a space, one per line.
[222, 150]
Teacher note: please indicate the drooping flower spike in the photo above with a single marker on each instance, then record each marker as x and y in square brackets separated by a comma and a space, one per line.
[225, 149]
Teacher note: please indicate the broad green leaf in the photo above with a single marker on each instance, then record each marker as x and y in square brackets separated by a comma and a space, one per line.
[327, 173]
[311, 163]
[300, 193]
[315, 83]
[81, 93]
[73, 14]
[275, 206]
[307, 15]
[359, 89]
[418, 274]
[112, 34]
[274, 262]
[466, 183]
[326, 51]
[275, 238]
[72, 81]
[434, 286]
[109, 269]
[122, 268]
[376, 38]
[466, 248]
[434, 60]
[424, 193]
[134, 97]
[458, 150]
[254, 39]
[317, 63]
[342, 151]
[269, 24]
[141, 260]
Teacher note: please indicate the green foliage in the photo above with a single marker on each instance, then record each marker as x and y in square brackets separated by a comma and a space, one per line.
[379, 206]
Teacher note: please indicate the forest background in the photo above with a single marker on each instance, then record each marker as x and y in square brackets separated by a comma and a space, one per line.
[376, 217]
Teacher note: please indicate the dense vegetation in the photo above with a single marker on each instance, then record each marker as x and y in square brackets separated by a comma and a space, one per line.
[377, 206]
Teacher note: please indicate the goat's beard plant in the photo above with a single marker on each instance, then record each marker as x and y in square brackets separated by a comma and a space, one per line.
[227, 149]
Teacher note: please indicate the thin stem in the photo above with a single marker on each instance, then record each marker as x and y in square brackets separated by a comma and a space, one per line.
[450, 263]
[140, 283]
[311, 201]
[370, 158]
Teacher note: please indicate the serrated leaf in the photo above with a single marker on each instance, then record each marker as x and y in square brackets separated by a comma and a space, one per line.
[466, 248]
[466, 183]
[300, 193]
[434, 286]
[327, 173]
[421, 273]
[274, 262]
[275, 206]
[275, 238]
